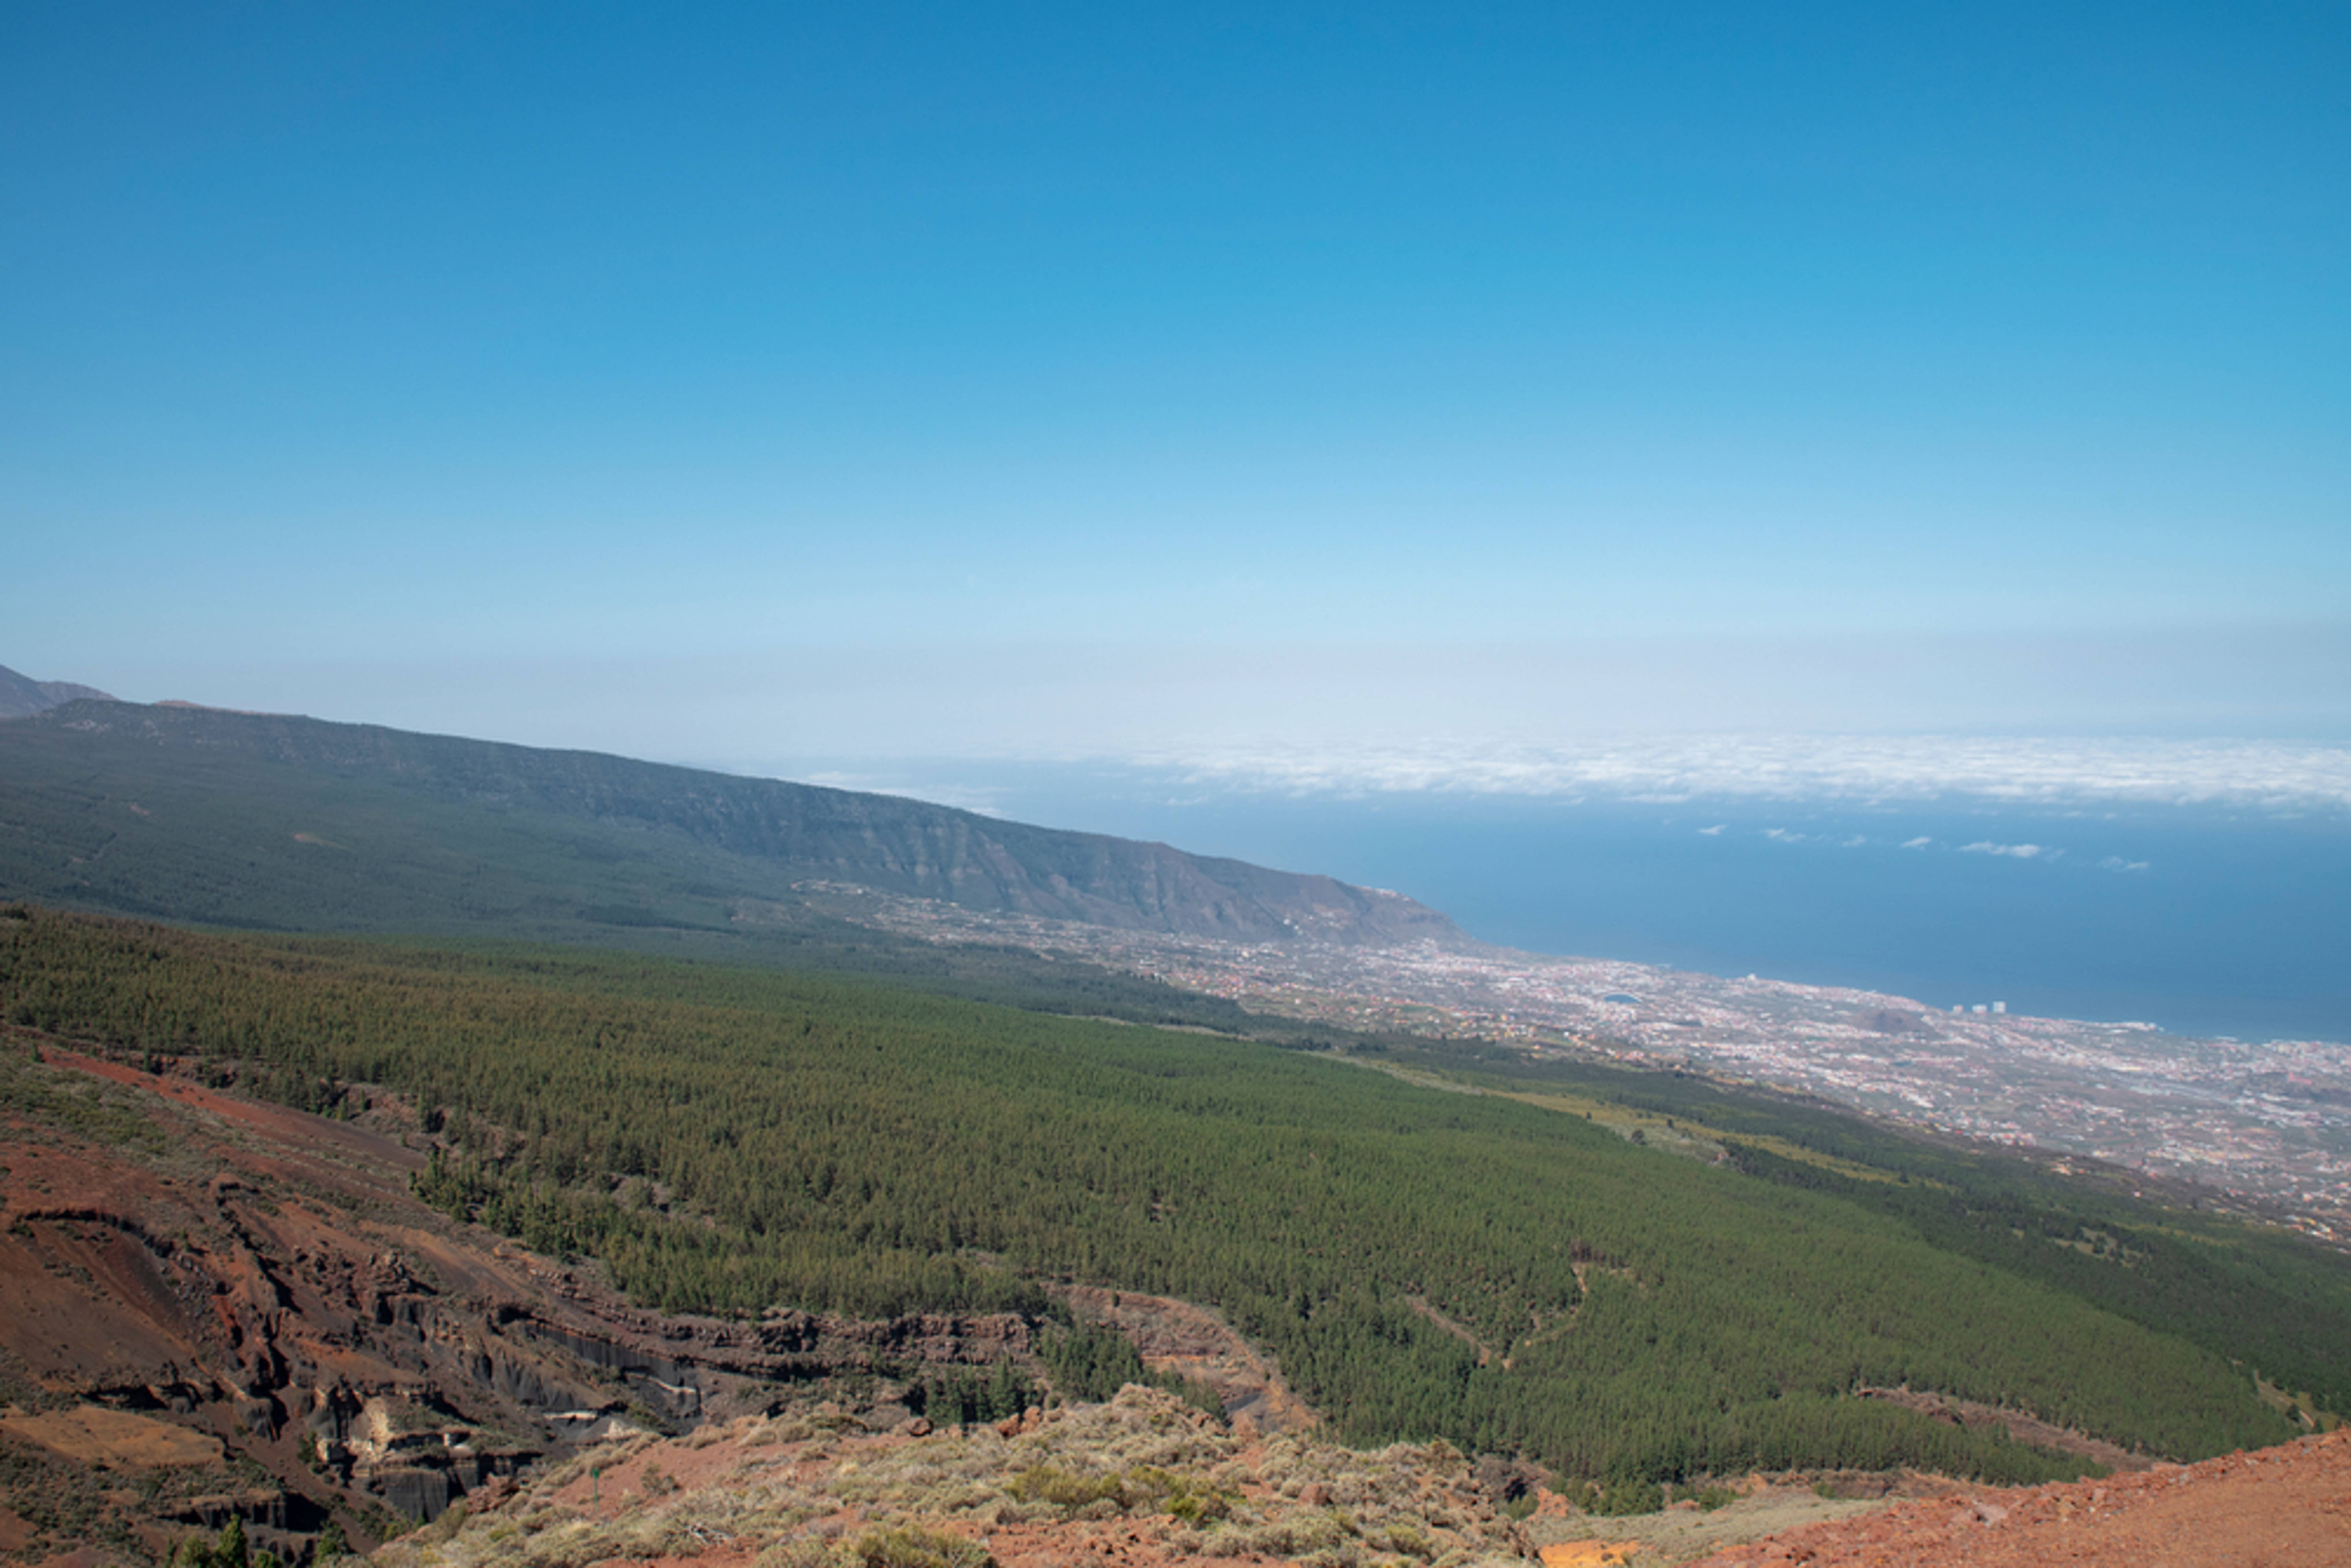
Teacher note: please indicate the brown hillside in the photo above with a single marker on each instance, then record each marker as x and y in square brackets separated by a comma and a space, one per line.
[1141, 1481]
[1145, 1482]
[2287, 1507]
[210, 1306]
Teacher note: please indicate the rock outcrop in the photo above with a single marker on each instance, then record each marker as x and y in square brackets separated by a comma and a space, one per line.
[258, 1285]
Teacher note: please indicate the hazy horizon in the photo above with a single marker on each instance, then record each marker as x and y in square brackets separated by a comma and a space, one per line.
[922, 383]
[1343, 440]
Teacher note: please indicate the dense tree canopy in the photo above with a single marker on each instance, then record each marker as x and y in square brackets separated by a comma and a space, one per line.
[1422, 1263]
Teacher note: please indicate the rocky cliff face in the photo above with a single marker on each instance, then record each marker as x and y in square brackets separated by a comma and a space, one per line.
[212, 1307]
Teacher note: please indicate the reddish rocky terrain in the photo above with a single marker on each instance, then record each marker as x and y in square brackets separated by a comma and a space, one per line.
[1144, 1479]
[2287, 1507]
[213, 1308]
[210, 1306]
[1195, 1341]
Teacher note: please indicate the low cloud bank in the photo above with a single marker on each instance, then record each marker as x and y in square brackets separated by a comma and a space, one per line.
[2021, 772]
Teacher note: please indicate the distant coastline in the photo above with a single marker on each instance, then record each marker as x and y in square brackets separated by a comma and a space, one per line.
[2210, 920]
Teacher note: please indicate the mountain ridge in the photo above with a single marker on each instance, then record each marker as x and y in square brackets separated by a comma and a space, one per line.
[886, 844]
[21, 696]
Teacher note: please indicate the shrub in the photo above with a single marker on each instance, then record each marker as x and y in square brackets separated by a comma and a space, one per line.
[912, 1546]
[1067, 1489]
[1619, 1496]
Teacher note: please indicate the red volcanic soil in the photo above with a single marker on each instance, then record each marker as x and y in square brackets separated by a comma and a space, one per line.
[1195, 1342]
[720, 1498]
[2289, 1505]
[1140, 1482]
[193, 1284]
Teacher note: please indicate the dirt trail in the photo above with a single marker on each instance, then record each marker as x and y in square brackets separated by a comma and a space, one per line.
[1426, 1309]
[2024, 1429]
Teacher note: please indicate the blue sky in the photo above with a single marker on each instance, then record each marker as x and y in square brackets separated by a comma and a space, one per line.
[770, 384]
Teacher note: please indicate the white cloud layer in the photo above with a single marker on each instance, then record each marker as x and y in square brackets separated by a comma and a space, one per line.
[1518, 717]
[2013, 771]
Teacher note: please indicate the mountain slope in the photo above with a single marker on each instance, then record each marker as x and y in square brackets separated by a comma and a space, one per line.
[203, 1297]
[21, 696]
[437, 832]
[1420, 1259]
[1417, 1262]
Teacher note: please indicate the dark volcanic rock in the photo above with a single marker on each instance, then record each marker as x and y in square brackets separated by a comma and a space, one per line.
[272, 1285]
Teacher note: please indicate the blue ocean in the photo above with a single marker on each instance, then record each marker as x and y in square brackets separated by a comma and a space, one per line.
[2202, 920]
